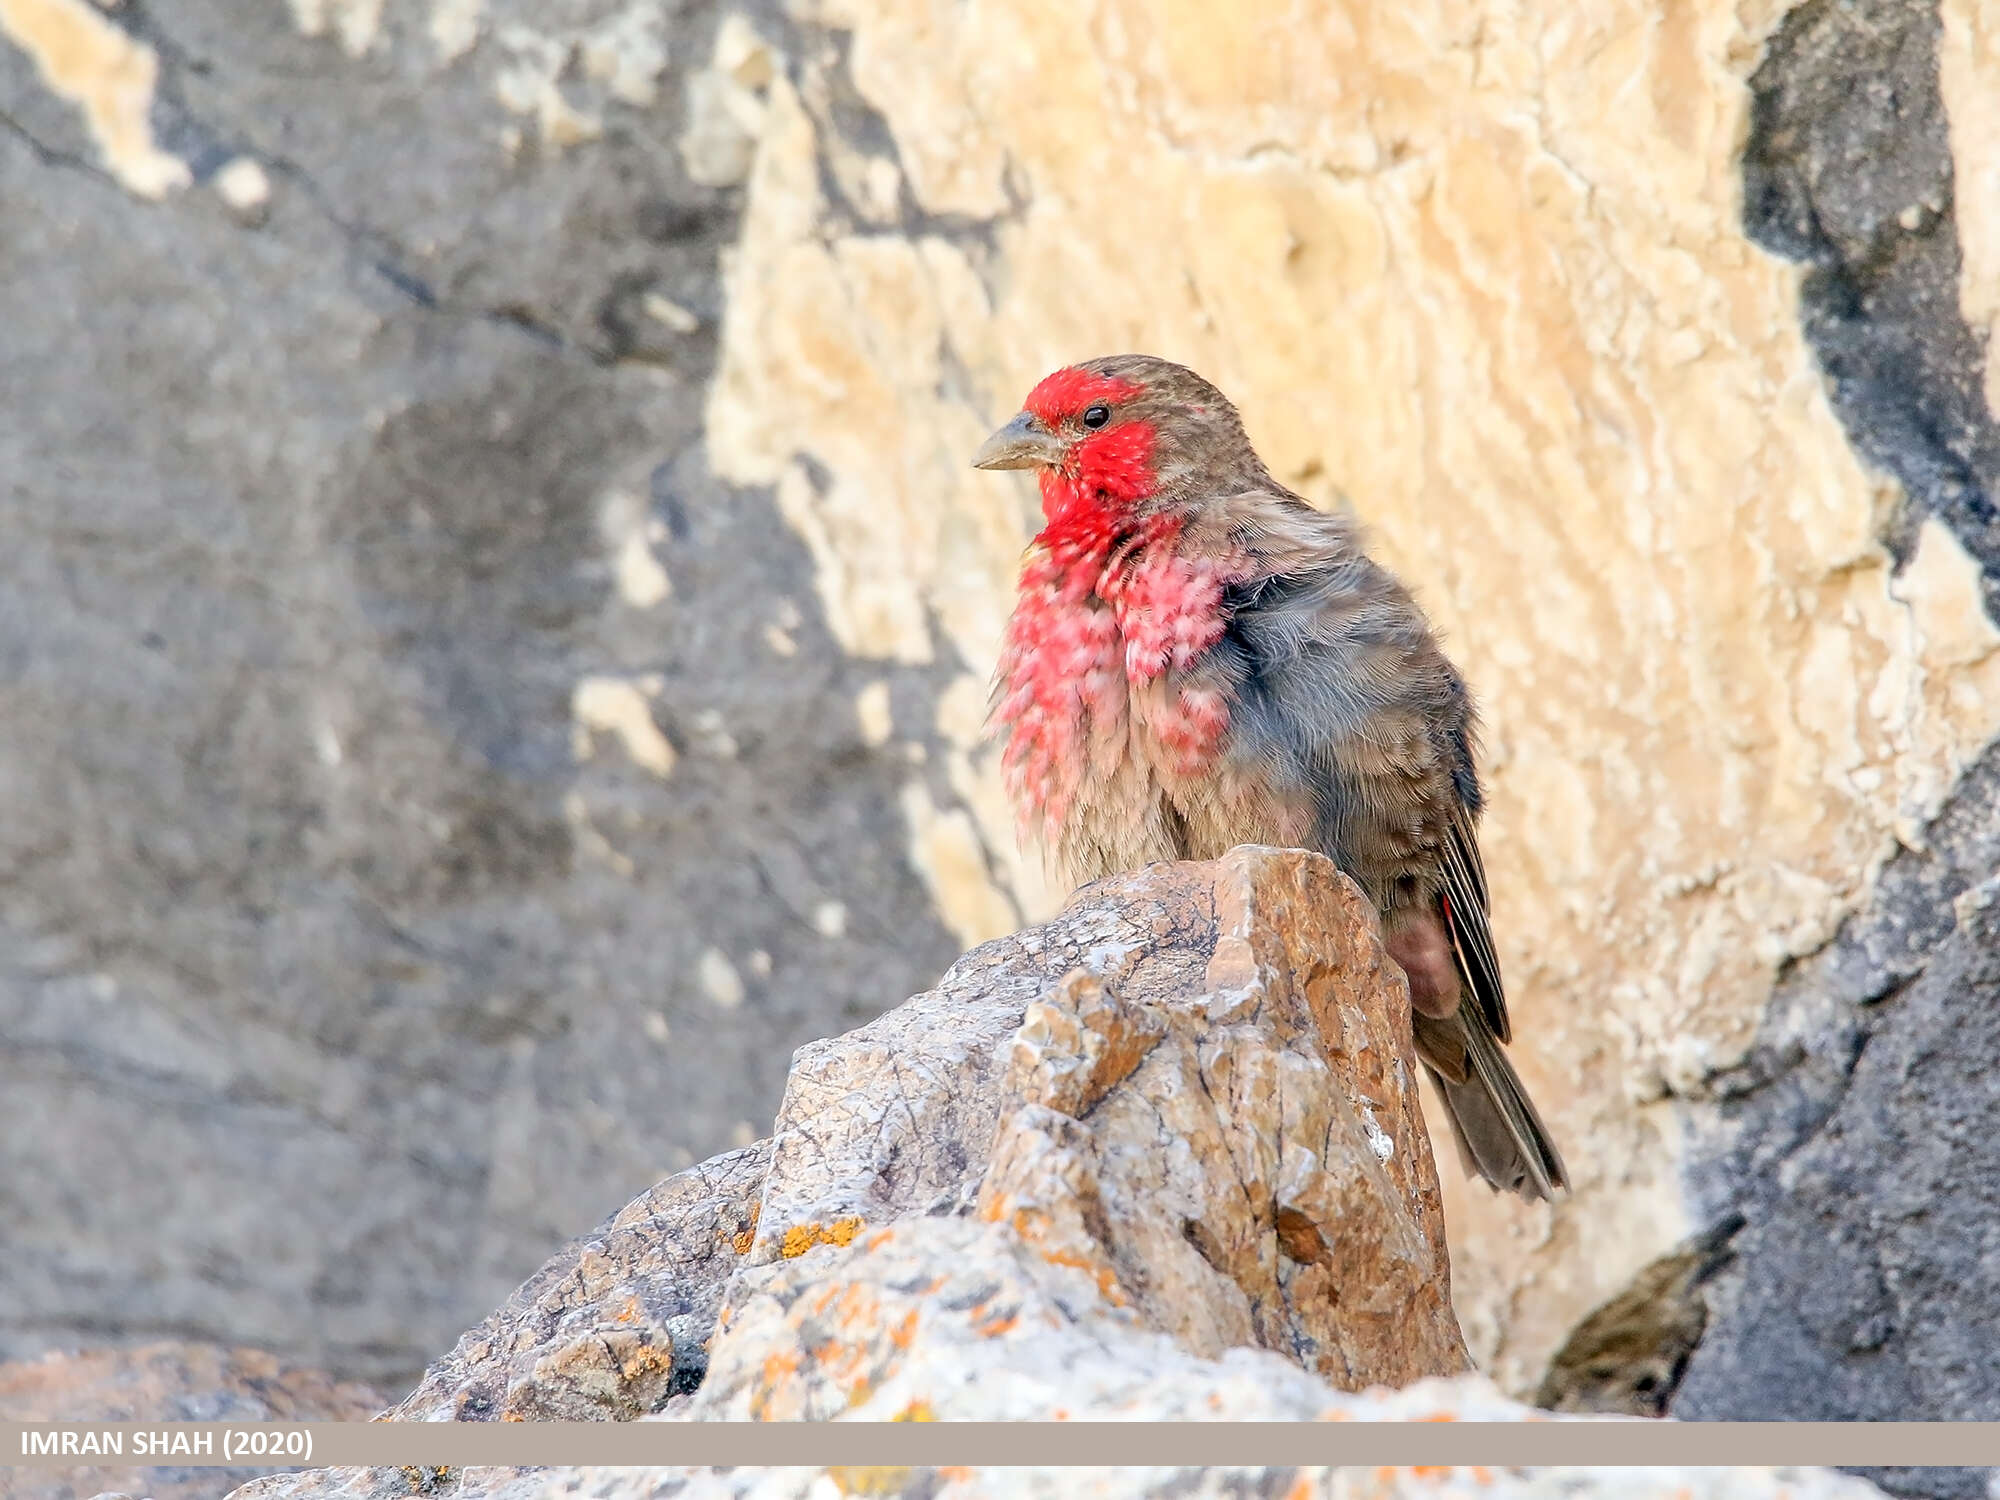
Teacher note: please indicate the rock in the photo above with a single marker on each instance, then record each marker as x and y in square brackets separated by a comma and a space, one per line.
[1725, 665]
[467, 623]
[1181, 1117]
[1204, 1119]
[1854, 1136]
[165, 1382]
[326, 954]
[1465, 1399]
[615, 1324]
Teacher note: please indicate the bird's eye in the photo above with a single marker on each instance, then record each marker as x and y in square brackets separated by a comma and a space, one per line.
[1097, 416]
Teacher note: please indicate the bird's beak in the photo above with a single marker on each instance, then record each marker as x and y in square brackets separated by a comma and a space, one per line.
[1023, 443]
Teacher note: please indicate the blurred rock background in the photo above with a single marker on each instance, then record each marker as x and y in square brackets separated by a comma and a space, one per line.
[495, 615]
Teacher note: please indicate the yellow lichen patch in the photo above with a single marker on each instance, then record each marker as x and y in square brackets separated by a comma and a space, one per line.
[872, 1480]
[920, 1410]
[108, 75]
[800, 1238]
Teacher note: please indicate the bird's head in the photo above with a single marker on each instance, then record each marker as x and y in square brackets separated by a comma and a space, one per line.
[1127, 434]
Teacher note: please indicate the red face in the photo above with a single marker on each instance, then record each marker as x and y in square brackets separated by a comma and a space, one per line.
[1076, 432]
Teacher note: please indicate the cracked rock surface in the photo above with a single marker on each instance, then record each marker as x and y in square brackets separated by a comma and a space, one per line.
[1159, 1156]
[432, 807]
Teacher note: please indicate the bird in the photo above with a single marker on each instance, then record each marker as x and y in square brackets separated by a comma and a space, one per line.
[1199, 658]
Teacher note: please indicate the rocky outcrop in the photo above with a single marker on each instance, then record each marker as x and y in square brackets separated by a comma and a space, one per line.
[1159, 1159]
[617, 1323]
[1028, 1483]
[1163, 1155]
[165, 1382]
[497, 614]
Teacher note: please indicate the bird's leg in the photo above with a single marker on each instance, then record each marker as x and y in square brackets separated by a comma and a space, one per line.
[1417, 940]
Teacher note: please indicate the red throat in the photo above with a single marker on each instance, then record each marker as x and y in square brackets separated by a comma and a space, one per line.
[1108, 604]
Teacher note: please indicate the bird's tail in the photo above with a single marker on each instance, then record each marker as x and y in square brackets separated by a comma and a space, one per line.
[1500, 1136]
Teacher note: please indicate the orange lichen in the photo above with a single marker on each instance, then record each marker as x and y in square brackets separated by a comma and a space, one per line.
[803, 1237]
[919, 1410]
[744, 1238]
[780, 1365]
[857, 1305]
[879, 1238]
[629, 1311]
[993, 1327]
[905, 1332]
[1301, 1489]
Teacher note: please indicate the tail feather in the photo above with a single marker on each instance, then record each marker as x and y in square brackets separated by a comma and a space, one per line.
[1500, 1136]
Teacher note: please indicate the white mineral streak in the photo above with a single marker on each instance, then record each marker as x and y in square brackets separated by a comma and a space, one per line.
[618, 706]
[1969, 76]
[85, 59]
[354, 23]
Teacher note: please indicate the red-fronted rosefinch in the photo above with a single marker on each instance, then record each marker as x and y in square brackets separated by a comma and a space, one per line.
[1200, 659]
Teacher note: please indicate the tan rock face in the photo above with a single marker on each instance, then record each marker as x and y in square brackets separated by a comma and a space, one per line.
[1482, 274]
[1968, 73]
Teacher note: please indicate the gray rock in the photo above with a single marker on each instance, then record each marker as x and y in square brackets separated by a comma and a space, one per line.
[322, 955]
[616, 1324]
[1858, 1140]
[164, 1382]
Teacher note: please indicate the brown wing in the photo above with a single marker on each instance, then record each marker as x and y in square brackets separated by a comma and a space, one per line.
[1329, 649]
[1464, 900]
